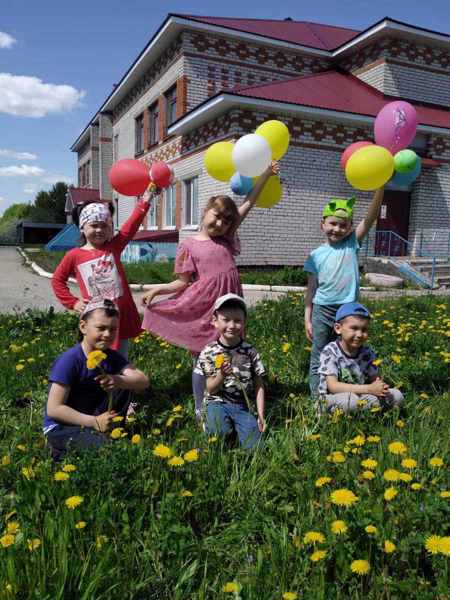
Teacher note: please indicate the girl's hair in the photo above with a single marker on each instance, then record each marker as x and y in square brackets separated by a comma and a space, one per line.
[226, 206]
[76, 215]
[108, 308]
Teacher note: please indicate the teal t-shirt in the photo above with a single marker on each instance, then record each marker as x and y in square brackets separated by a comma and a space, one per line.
[336, 269]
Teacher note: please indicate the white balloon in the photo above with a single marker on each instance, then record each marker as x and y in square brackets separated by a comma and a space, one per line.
[251, 155]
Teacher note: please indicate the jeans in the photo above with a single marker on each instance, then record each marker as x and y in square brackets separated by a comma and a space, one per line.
[223, 417]
[198, 389]
[323, 333]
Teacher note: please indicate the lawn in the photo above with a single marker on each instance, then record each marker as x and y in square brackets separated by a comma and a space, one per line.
[223, 524]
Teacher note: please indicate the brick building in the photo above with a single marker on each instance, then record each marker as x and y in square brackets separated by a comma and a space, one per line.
[203, 79]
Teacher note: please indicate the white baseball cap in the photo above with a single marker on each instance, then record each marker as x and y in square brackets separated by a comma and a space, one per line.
[226, 298]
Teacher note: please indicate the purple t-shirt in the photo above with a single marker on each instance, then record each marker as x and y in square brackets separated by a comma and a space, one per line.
[86, 394]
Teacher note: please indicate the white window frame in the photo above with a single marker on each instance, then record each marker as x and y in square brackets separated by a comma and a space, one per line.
[188, 184]
[152, 223]
[170, 195]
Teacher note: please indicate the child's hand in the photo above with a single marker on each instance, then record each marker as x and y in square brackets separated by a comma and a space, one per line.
[104, 421]
[261, 424]
[226, 369]
[147, 298]
[107, 382]
[79, 306]
[273, 168]
[378, 388]
[309, 330]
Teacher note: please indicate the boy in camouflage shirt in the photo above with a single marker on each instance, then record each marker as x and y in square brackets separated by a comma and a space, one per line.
[233, 371]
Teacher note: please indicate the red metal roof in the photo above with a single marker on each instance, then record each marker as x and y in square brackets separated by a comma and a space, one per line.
[157, 236]
[315, 35]
[80, 195]
[340, 92]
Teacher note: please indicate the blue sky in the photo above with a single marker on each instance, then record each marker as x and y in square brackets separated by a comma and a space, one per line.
[59, 60]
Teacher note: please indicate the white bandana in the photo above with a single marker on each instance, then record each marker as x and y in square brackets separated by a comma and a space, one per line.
[94, 212]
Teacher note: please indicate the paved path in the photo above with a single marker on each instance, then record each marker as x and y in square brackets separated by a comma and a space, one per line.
[22, 288]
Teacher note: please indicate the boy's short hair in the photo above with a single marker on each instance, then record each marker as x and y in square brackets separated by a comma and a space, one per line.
[230, 301]
[352, 309]
[339, 207]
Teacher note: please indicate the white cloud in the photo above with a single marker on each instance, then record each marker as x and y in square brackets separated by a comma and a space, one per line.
[25, 96]
[21, 171]
[30, 189]
[6, 40]
[17, 155]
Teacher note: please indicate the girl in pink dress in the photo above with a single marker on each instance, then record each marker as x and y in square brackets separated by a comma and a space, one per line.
[205, 269]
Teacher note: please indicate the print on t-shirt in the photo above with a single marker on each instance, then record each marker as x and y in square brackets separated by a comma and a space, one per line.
[101, 278]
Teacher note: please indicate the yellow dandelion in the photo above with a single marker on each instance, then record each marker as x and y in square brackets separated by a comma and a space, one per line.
[432, 544]
[390, 493]
[409, 463]
[7, 540]
[313, 437]
[69, 468]
[389, 547]
[318, 555]
[343, 497]
[187, 494]
[162, 451]
[444, 494]
[170, 421]
[191, 456]
[400, 424]
[377, 362]
[136, 439]
[368, 475]
[444, 545]
[296, 541]
[61, 476]
[339, 527]
[6, 460]
[95, 358]
[231, 587]
[424, 396]
[213, 439]
[391, 475]
[405, 477]
[28, 473]
[373, 439]
[116, 433]
[321, 481]
[80, 525]
[397, 448]
[336, 457]
[436, 462]
[20, 367]
[359, 440]
[176, 461]
[416, 486]
[100, 541]
[285, 347]
[73, 502]
[371, 529]
[369, 463]
[219, 360]
[311, 537]
[361, 567]
[118, 419]
[396, 358]
[156, 431]
[177, 409]
[289, 596]
[33, 544]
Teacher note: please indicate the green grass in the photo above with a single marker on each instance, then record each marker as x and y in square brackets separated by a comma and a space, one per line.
[248, 514]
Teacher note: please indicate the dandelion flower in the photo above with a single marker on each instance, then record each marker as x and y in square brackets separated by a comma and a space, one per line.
[20, 367]
[178, 408]
[359, 440]
[389, 547]
[397, 448]
[289, 596]
[390, 493]
[436, 461]
[409, 463]
[6, 460]
[33, 544]
[95, 358]
[156, 431]
[339, 527]
[369, 463]
[12, 527]
[368, 475]
[444, 545]
[136, 439]
[432, 544]
[321, 481]
[318, 555]
[371, 529]
[69, 468]
[405, 477]
[116, 433]
[61, 476]
[361, 567]
[162, 451]
[80, 525]
[343, 497]
[313, 437]
[73, 502]
[118, 419]
[7, 540]
[373, 439]
[176, 461]
[444, 494]
[100, 541]
[186, 494]
[219, 360]
[391, 475]
[191, 456]
[400, 424]
[28, 473]
[416, 486]
[231, 587]
[336, 457]
[213, 439]
[311, 537]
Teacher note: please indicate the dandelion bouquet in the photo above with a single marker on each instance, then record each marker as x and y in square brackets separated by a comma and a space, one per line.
[94, 361]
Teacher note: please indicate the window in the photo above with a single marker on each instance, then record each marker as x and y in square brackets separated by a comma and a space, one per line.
[116, 147]
[153, 113]
[171, 105]
[80, 177]
[139, 134]
[170, 206]
[152, 214]
[191, 201]
[88, 173]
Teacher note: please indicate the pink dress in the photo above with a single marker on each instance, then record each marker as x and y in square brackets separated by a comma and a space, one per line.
[185, 320]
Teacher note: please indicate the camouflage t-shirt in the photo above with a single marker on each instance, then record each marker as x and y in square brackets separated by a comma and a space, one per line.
[246, 364]
[357, 370]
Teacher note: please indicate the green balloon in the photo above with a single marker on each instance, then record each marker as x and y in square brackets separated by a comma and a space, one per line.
[405, 161]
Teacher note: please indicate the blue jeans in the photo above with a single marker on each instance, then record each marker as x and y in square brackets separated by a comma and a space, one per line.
[323, 333]
[223, 417]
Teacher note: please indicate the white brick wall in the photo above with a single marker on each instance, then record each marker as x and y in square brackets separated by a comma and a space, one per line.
[417, 84]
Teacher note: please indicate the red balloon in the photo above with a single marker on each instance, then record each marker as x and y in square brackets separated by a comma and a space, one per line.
[129, 177]
[351, 150]
[161, 174]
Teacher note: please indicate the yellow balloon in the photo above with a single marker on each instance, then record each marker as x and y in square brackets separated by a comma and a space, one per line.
[218, 161]
[369, 168]
[271, 193]
[277, 134]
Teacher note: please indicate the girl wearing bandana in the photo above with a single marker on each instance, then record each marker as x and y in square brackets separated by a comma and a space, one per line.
[97, 268]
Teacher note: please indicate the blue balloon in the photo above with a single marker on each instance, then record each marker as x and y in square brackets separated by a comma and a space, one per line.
[241, 185]
[405, 179]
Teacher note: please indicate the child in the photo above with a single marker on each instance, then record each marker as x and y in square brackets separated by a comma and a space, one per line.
[348, 377]
[205, 269]
[233, 371]
[97, 267]
[333, 271]
[77, 399]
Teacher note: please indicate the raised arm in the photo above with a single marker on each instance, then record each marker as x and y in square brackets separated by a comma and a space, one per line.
[372, 214]
[134, 221]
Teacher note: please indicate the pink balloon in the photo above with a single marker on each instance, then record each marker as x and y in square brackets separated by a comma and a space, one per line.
[129, 177]
[351, 150]
[161, 174]
[395, 126]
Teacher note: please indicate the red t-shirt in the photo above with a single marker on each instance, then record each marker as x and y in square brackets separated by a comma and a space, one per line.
[100, 274]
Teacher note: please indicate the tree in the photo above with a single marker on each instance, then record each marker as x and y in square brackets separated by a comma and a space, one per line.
[49, 206]
[15, 212]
